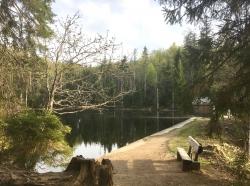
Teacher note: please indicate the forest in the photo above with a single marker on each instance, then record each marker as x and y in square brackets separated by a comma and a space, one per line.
[49, 67]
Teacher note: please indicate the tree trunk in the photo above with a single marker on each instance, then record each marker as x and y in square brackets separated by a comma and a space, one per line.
[248, 137]
[157, 99]
[26, 96]
[21, 98]
[214, 124]
[50, 104]
[51, 99]
[145, 86]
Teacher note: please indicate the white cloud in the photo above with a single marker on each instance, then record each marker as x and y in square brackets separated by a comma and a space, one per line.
[135, 23]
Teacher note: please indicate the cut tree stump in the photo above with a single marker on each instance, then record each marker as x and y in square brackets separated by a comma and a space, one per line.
[91, 172]
[106, 173]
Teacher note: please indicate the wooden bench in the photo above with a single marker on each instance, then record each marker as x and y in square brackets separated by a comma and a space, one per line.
[190, 162]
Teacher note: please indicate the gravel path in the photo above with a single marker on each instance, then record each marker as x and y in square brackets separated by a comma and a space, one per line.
[147, 162]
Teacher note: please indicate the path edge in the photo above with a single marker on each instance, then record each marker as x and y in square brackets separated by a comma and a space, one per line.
[143, 140]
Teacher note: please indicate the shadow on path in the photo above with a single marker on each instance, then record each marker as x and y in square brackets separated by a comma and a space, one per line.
[157, 173]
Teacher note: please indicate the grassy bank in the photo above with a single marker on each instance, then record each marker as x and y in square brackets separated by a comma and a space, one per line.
[220, 155]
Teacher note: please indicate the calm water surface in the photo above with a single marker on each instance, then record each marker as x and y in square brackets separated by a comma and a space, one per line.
[94, 134]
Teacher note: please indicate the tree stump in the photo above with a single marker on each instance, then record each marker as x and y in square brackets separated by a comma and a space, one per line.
[105, 173]
[91, 172]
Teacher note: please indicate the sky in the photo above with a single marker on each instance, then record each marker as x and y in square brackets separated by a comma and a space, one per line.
[134, 23]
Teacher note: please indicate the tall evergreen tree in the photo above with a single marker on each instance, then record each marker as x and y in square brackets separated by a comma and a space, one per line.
[230, 48]
[22, 22]
[145, 61]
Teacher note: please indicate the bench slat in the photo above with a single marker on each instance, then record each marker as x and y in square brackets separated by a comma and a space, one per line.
[183, 154]
[186, 160]
[194, 144]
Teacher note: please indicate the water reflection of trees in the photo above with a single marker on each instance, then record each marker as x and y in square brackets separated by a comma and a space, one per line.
[109, 129]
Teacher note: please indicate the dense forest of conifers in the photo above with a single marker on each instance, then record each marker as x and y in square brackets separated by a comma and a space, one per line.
[160, 77]
[165, 70]
[61, 70]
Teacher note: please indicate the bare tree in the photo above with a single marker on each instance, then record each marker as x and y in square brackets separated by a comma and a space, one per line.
[69, 52]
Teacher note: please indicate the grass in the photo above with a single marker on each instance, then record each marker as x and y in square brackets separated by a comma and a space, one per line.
[196, 129]
[225, 155]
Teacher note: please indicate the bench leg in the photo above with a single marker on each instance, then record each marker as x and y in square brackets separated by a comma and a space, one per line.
[196, 165]
[186, 165]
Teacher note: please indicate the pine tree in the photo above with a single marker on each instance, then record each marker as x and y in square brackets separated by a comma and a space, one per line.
[145, 61]
[22, 22]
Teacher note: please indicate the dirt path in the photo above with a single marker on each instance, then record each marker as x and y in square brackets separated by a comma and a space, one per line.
[147, 162]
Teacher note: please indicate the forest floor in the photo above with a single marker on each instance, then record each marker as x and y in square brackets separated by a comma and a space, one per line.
[152, 161]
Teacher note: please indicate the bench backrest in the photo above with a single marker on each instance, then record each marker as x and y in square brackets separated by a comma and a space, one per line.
[194, 147]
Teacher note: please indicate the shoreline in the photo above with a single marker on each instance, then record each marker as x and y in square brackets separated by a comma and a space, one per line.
[143, 140]
[149, 161]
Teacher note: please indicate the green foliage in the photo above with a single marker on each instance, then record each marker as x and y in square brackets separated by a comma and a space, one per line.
[195, 129]
[221, 55]
[35, 125]
[4, 142]
[36, 136]
[165, 70]
[151, 74]
[23, 21]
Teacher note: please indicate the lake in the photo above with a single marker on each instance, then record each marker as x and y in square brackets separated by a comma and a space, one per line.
[94, 134]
